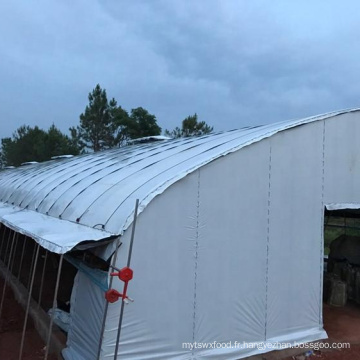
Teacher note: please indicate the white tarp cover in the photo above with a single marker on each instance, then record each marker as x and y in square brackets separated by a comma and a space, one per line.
[233, 252]
[55, 235]
[86, 312]
[342, 206]
[99, 190]
[216, 270]
[233, 249]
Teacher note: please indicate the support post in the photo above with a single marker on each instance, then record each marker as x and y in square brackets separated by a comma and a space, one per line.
[2, 239]
[22, 258]
[6, 247]
[54, 306]
[14, 256]
[42, 278]
[28, 302]
[31, 266]
[128, 265]
[7, 274]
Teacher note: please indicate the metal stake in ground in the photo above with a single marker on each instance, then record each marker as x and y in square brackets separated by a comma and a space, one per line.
[113, 263]
[31, 266]
[2, 239]
[7, 274]
[6, 247]
[42, 278]
[14, 255]
[128, 265]
[54, 307]
[28, 302]
[4, 262]
[22, 258]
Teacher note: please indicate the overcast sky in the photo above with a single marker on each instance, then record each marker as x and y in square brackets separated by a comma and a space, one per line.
[234, 62]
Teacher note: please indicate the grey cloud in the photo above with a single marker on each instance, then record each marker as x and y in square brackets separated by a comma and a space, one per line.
[234, 63]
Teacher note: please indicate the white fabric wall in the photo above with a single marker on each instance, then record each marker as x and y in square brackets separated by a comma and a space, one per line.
[295, 231]
[87, 304]
[163, 284]
[342, 159]
[231, 281]
[220, 255]
[233, 252]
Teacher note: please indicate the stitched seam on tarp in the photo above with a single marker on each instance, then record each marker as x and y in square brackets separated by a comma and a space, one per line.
[196, 259]
[267, 246]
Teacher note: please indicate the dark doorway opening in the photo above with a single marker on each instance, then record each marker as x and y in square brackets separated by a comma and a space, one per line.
[341, 290]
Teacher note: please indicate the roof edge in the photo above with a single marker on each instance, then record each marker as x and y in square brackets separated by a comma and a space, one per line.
[282, 126]
[48, 231]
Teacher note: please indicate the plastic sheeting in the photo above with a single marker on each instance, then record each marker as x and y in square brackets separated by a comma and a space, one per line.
[210, 272]
[97, 276]
[55, 235]
[86, 312]
[237, 260]
[231, 252]
[61, 318]
[99, 190]
[340, 206]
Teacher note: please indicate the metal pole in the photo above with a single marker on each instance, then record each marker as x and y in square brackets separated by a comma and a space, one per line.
[31, 266]
[7, 263]
[128, 264]
[6, 247]
[42, 278]
[54, 307]
[2, 240]
[7, 275]
[28, 302]
[14, 256]
[113, 262]
[22, 258]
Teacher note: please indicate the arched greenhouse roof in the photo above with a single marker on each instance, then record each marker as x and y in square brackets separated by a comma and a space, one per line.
[90, 197]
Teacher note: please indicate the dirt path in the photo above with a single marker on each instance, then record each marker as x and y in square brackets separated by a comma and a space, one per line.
[342, 325]
[11, 325]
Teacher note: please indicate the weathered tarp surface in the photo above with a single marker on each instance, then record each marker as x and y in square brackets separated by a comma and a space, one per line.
[228, 261]
[99, 190]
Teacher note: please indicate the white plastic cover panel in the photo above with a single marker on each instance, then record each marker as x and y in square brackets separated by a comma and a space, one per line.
[342, 180]
[228, 254]
[233, 251]
[295, 231]
[222, 258]
[52, 234]
[99, 190]
[342, 206]
[163, 286]
[86, 313]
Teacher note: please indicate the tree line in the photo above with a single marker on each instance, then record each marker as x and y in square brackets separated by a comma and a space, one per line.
[104, 124]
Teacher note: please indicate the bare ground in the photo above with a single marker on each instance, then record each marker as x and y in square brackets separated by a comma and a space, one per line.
[11, 325]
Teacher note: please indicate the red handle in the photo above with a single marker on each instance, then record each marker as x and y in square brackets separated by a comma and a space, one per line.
[125, 274]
